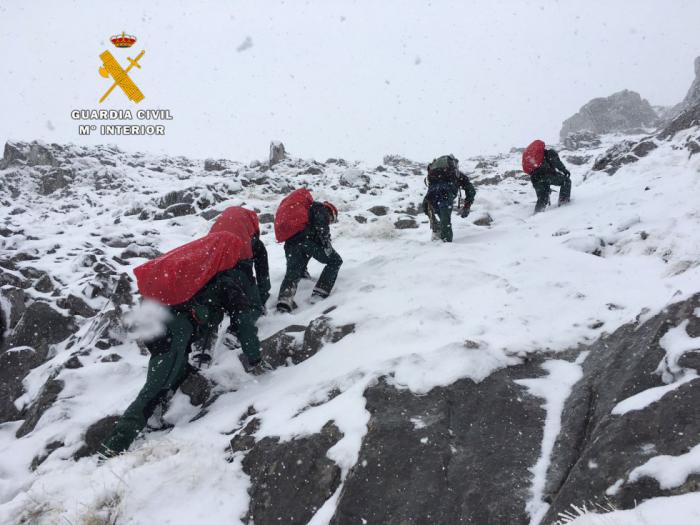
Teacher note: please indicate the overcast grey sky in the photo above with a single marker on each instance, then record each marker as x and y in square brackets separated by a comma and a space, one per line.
[339, 78]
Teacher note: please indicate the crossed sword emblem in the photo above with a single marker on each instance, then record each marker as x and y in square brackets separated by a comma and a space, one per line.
[111, 68]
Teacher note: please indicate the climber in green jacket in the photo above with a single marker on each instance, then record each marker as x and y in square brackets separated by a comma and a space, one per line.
[233, 292]
[444, 183]
[314, 241]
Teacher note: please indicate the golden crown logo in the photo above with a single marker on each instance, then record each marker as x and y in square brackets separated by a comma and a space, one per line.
[123, 40]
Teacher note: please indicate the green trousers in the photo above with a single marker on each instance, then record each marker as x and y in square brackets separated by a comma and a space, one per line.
[168, 367]
[166, 371]
[298, 253]
[243, 327]
[542, 181]
[441, 222]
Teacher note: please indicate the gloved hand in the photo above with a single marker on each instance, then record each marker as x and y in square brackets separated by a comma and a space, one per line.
[465, 212]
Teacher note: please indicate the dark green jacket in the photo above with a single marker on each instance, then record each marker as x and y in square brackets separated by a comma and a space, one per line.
[552, 158]
[318, 228]
[262, 268]
[229, 292]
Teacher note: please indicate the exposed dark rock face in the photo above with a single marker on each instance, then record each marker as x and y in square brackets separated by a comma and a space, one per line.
[443, 457]
[282, 345]
[379, 210]
[405, 224]
[291, 480]
[96, 434]
[47, 397]
[319, 332]
[595, 448]
[622, 111]
[15, 364]
[626, 152]
[176, 210]
[197, 388]
[15, 304]
[39, 327]
[76, 306]
[266, 218]
[290, 344]
[38, 460]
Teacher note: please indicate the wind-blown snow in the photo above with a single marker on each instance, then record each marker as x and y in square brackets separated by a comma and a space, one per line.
[427, 313]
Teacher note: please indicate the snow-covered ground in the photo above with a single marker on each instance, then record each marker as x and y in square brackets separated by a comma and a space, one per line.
[427, 313]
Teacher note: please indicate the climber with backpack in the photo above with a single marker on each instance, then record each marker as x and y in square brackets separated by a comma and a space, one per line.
[445, 183]
[245, 225]
[198, 283]
[304, 226]
[545, 169]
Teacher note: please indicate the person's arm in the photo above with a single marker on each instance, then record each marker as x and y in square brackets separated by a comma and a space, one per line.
[556, 163]
[262, 269]
[233, 293]
[468, 187]
[319, 219]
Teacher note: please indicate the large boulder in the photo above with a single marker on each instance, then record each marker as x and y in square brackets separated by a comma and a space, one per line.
[95, 435]
[621, 112]
[39, 327]
[290, 481]
[443, 457]
[598, 448]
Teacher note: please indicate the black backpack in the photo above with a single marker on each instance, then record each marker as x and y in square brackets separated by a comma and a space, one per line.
[443, 169]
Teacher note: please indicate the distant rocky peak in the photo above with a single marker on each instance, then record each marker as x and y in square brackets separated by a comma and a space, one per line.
[624, 111]
[692, 98]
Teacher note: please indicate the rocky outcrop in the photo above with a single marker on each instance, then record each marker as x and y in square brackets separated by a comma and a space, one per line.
[685, 116]
[301, 463]
[596, 449]
[443, 457]
[692, 98]
[464, 453]
[625, 152]
[39, 327]
[277, 153]
[297, 343]
[621, 112]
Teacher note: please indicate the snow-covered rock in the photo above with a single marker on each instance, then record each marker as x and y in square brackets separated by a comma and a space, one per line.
[620, 112]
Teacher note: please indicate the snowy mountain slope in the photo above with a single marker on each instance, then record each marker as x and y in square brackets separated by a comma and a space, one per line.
[425, 314]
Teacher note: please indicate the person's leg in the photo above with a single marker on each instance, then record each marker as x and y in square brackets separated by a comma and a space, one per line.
[542, 190]
[297, 260]
[446, 223]
[328, 256]
[165, 372]
[564, 184]
[244, 328]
